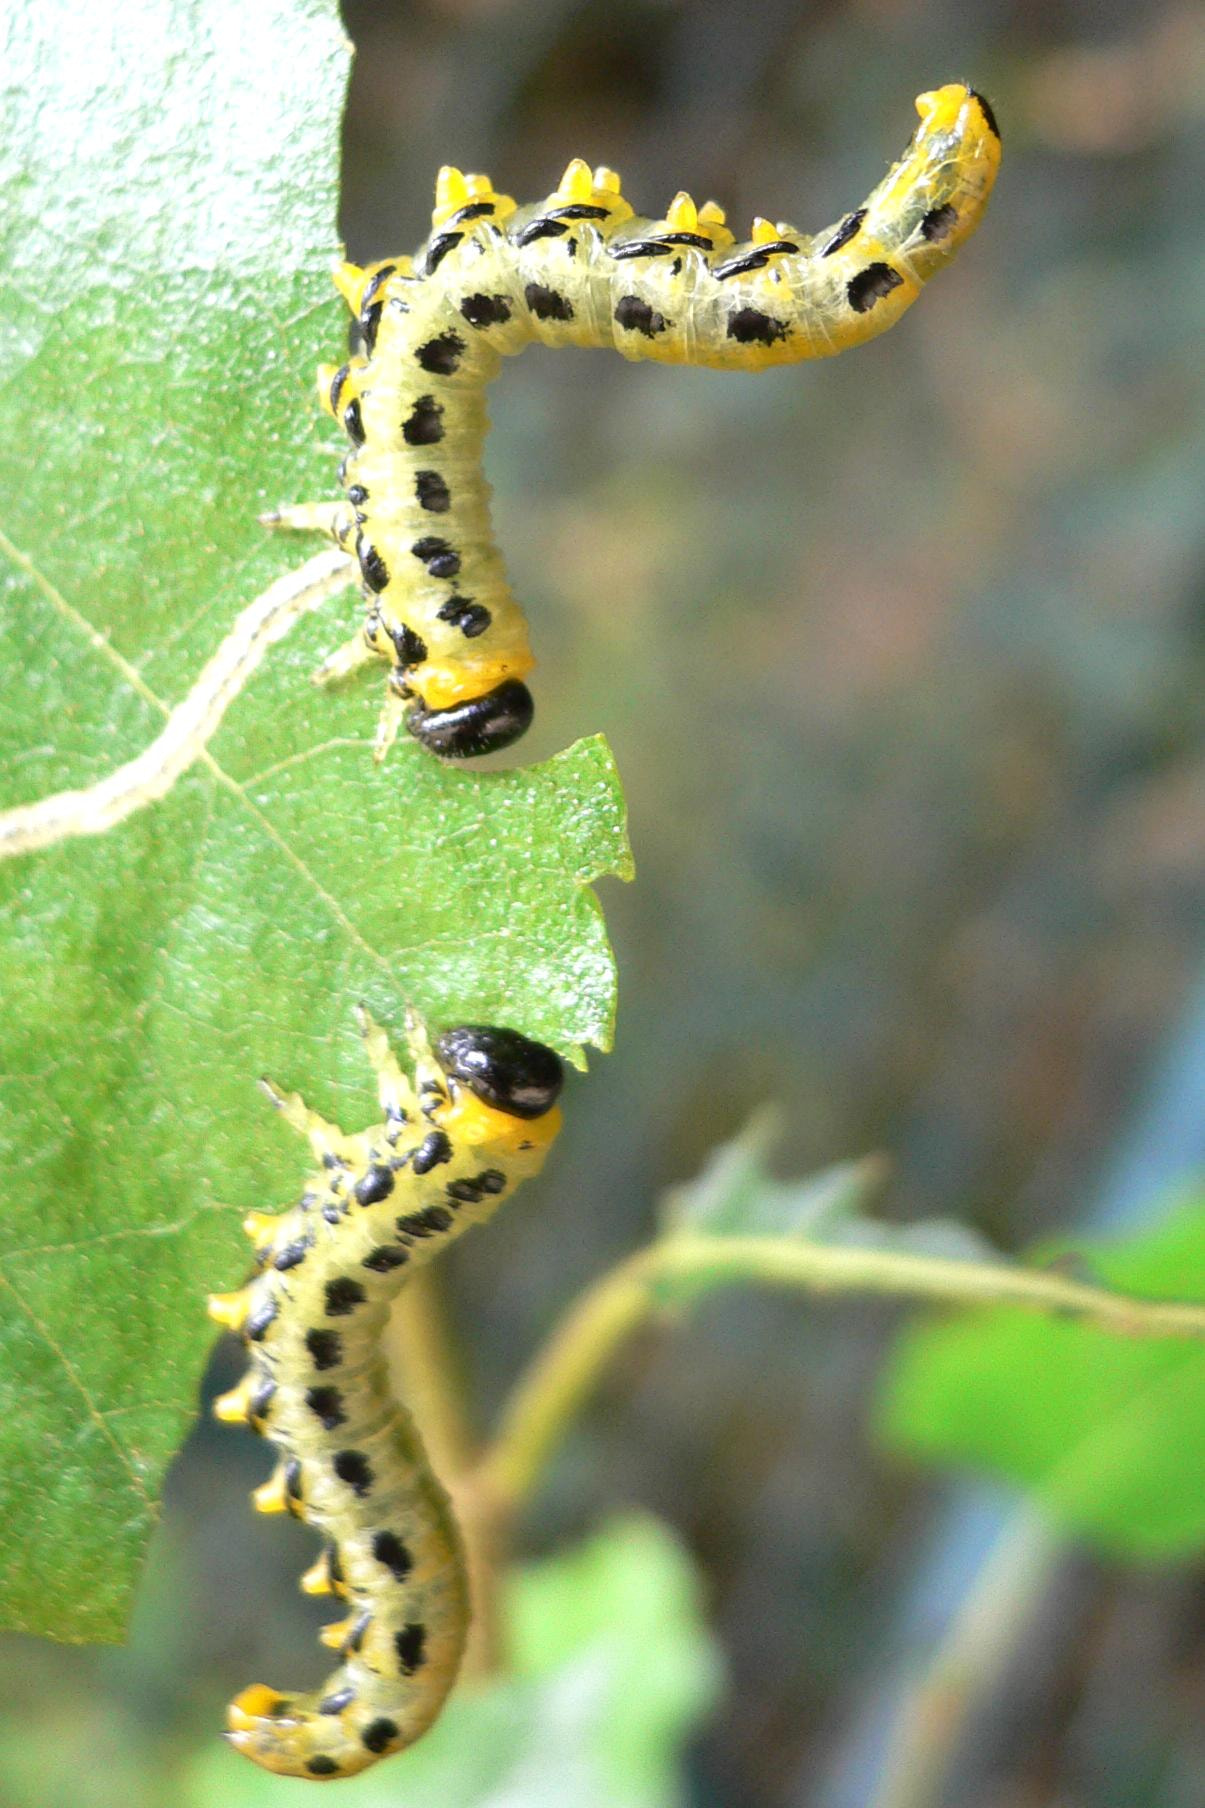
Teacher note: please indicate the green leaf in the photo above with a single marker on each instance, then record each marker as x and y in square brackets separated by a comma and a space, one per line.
[169, 173]
[735, 1197]
[1109, 1433]
[613, 1668]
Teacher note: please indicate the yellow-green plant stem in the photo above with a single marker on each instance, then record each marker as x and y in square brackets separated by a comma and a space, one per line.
[422, 1347]
[421, 1344]
[489, 1489]
[967, 1667]
[549, 1396]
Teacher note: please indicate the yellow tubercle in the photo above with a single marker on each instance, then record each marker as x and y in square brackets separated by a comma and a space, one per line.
[229, 1309]
[712, 214]
[234, 1408]
[350, 281]
[454, 190]
[451, 191]
[251, 1705]
[270, 1496]
[261, 1228]
[325, 377]
[577, 183]
[763, 231]
[336, 1635]
[682, 215]
[582, 186]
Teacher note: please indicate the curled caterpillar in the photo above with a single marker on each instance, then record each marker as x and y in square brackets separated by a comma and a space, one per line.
[578, 268]
[477, 1119]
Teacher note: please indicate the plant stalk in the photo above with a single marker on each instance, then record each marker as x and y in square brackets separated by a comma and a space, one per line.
[551, 1393]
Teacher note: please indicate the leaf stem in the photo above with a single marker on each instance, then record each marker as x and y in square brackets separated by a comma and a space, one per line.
[967, 1666]
[422, 1346]
[421, 1341]
[562, 1375]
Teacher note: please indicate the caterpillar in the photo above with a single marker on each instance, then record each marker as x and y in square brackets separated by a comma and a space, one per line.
[477, 1118]
[578, 268]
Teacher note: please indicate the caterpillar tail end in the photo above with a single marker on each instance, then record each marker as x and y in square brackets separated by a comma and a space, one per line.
[290, 1738]
[308, 1736]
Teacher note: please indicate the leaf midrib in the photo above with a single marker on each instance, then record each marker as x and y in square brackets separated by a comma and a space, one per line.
[134, 679]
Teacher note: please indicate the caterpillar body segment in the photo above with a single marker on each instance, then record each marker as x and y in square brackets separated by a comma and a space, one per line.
[475, 1120]
[580, 268]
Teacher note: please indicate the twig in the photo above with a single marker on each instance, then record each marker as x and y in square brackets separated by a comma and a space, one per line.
[431, 1381]
[421, 1341]
[967, 1666]
[190, 726]
[563, 1374]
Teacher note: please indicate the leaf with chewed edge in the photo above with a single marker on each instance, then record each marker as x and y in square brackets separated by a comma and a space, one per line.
[170, 178]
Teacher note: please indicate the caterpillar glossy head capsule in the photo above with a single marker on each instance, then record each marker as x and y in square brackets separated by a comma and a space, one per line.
[579, 268]
[475, 1118]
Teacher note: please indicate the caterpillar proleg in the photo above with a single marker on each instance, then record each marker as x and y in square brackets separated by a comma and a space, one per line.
[476, 1119]
[579, 268]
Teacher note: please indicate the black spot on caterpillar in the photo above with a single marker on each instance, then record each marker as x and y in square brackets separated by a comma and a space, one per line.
[638, 316]
[493, 278]
[871, 285]
[433, 492]
[751, 327]
[476, 1119]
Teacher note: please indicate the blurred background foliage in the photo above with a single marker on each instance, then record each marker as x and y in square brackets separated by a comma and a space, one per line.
[901, 658]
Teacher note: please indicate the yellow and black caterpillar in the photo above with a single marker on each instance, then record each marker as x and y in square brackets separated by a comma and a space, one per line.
[579, 268]
[477, 1118]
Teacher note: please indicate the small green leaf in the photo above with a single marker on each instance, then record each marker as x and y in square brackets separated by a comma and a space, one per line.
[613, 1669]
[736, 1197]
[1109, 1433]
[170, 176]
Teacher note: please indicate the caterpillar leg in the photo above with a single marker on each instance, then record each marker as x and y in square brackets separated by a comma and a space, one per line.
[324, 1138]
[334, 519]
[325, 1576]
[389, 722]
[393, 1088]
[345, 660]
[428, 1071]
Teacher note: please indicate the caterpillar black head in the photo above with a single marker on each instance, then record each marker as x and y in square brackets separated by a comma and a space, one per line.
[503, 1068]
[482, 725]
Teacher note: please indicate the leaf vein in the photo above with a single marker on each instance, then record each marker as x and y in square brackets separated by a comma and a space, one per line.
[94, 1412]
